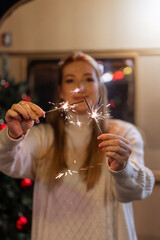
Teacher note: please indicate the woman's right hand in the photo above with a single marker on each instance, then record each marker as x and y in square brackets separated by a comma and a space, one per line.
[21, 117]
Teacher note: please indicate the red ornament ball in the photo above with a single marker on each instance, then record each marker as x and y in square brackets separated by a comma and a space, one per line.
[2, 126]
[22, 223]
[6, 85]
[26, 98]
[25, 183]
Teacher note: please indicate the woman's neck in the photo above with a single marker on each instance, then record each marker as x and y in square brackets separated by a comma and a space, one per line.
[77, 119]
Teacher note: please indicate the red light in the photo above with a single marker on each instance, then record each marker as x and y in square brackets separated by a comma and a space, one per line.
[118, 75]
[21, 223]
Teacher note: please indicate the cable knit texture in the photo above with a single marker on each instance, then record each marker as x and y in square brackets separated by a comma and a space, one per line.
[69, 211]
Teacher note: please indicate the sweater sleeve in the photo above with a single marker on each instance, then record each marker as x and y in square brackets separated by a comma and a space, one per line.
[135, 181]
[18, 158]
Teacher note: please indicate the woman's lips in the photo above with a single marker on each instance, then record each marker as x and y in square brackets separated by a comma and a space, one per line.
[77, 99]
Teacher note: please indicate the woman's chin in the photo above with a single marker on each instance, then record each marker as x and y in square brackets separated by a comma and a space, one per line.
[81, 110]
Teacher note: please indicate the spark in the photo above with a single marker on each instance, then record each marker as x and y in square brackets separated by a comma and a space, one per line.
[78, 123]
[66, 173]
[76, 90]
[72, 122]
[72, 172]
[93, 115]
[97, 115]
[59, 175]
[64, 106]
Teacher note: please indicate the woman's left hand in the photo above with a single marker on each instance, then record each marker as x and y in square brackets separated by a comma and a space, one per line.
[117, 149]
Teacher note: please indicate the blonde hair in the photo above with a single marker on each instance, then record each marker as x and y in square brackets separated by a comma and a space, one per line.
[94, 156]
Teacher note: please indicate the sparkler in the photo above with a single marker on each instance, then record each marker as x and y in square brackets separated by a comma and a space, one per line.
[93, 114]
[65, 106]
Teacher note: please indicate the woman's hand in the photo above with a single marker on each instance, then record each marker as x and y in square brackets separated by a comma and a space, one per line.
[117, 149]
[21, 116]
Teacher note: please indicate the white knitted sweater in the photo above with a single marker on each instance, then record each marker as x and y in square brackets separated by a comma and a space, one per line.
[69, 212]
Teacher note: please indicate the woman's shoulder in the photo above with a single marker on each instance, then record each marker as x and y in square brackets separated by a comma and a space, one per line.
[120, 123]
[123, 128]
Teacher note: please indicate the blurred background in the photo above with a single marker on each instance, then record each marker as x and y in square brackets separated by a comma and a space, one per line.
[124, 37]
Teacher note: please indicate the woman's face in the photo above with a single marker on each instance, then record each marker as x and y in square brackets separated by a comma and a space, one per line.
[79, 79]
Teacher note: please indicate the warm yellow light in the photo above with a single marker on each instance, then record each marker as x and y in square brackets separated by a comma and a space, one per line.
[127, 70]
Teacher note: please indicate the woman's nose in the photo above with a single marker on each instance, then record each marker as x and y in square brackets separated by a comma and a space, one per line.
[81, 87]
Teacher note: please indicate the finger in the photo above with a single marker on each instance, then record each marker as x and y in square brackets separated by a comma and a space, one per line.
[109, 136]
[114, 165]
[32, 114]
[10, 114]
[35, 108]
[110, 160]
[34, 111]
[116, 142]
[115, 156]
[20, 110]
[116, 149]
[119, 152]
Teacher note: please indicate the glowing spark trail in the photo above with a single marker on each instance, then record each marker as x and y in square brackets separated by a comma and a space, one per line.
[61, 174]
[65, 106]
[70, 172]
[79, 124]
[93, 114]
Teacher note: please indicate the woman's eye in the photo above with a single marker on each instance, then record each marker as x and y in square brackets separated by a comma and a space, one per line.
[90, 80]
[69, 80]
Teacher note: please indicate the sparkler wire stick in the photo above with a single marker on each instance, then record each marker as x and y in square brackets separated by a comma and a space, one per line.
[92, 113]
[56, 109]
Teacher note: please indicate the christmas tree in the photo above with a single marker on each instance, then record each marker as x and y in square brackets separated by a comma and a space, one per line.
[15, 194]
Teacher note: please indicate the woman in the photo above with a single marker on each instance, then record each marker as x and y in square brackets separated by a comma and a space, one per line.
[84, 181]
